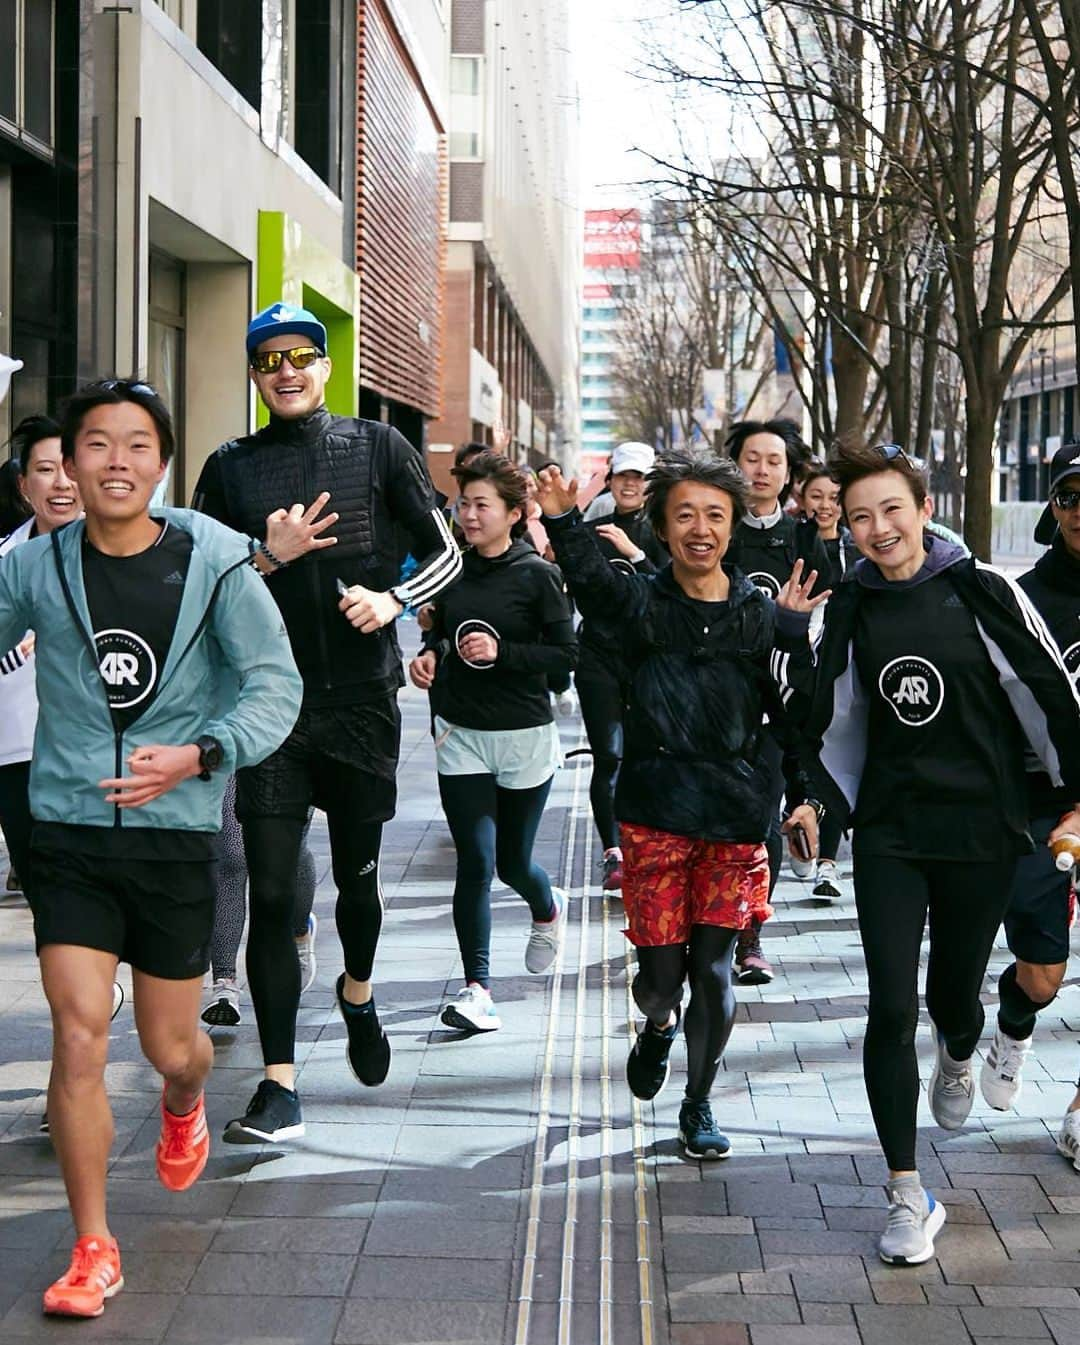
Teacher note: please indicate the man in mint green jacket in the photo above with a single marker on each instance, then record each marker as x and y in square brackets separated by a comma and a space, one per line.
[162, 666]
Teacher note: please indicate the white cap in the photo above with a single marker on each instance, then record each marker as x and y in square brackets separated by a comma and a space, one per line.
[632, 457]
[8, 366]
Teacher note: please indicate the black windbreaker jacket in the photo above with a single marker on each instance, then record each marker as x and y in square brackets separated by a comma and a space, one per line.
[820, 687]
[693, 762]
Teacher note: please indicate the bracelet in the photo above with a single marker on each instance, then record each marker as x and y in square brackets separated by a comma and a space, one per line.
[274, 561]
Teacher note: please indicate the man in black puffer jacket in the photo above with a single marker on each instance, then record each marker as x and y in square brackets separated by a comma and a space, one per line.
[339, 598]
[692, 798]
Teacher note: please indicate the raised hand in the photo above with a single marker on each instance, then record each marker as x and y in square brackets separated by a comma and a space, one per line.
[795, 595]
[292, 533]
[555, 494]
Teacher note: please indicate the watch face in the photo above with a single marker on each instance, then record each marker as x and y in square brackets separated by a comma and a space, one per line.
[210, 753]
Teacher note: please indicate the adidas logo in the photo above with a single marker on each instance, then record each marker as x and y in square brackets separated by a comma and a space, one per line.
[175, 578]
[953, 600]
[283, 313]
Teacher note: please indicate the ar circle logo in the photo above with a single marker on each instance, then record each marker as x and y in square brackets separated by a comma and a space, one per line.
[768, 583]
[1071, 658]
[914, 689]
[127, 666]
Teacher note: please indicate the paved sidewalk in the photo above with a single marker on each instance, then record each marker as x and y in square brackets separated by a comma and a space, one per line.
[501, 1189]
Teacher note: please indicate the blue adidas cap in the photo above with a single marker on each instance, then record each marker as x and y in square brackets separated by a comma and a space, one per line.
[282, 317]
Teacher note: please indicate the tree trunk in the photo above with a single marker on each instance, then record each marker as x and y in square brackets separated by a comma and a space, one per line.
[981, 428]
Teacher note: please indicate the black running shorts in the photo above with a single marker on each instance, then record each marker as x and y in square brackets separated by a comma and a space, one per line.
[1040, 908]
[342, 759]
[155, 915]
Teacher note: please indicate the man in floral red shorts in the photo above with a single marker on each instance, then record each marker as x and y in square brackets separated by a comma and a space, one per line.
[693, 797]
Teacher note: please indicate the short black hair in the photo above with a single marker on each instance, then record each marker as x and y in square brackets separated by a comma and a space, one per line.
[797, 449]
[699, 465]
[467, 451]
[853, 460]
[13, 507]
[114, 392]
[30, 431]
[818, 467]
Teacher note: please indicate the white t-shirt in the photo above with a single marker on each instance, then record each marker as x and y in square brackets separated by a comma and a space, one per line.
[18, 693]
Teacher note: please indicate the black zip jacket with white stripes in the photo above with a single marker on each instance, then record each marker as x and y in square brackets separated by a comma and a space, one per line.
[379, 485]
[820, 686]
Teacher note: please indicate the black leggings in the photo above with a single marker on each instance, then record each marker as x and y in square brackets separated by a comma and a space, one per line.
[494, 831]
[272, 846]
[15, 820]
[710, 1015]
[602, 699]
[830, 833]
[966, 902]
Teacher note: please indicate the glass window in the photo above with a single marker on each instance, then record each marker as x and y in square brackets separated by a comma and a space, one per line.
[465, 75]
[466, 108]
[316, 117]
[8, 59]
[38, 69]
[165, 364]
[230, 35]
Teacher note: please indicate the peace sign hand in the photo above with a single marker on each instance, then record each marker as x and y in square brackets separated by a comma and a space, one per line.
[795, 595]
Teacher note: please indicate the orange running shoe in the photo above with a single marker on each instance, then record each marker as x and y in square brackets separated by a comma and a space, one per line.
[93, 1276]
[183, 1148]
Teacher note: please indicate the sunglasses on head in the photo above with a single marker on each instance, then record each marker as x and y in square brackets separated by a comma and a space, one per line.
[1066, 499]
[126, 385]
[300, 357]
[890, 452]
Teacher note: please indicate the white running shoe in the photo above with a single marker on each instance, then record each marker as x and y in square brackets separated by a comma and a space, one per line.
[546, 937]
[802, 868]
[999, 1078]
[472, 1011]
[827, 882]
[565, 703]
[951, 1089]
[1068, 1140]
[305, 950]
[224, 1007]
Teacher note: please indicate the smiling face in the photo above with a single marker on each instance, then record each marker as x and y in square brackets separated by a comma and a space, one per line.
[292, 394]
[764, 462]
[48, 489]
[117, 462]
[697, 527]
[887, 523]
[485, 519]
[821, 502]
[1068, 520]
[628, 491]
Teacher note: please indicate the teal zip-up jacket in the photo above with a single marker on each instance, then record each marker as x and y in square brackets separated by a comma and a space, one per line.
[229, 672]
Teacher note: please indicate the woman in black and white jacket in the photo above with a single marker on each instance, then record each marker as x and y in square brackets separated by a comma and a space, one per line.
[931, 677]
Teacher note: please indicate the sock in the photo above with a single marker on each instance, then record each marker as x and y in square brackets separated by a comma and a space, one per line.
[912, 1182]
[1016, 1010]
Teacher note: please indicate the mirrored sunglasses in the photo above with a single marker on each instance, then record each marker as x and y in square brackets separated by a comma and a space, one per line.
[1066, 499]
[300, 357]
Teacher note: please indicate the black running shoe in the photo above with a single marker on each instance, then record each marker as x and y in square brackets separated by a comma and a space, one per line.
[698, 1133]
[273, 1115]
[647, 1064]
[368, 1051]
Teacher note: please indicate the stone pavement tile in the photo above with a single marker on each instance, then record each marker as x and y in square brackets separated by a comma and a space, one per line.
[715, 1333]
[769, 1197]
[701, 1282]
[832, 1168]
[236, 1319]
[312, 1199]
[828, 1242]
[746, 1170]
[789, 1223]
[283, 1233]
[1064, 1325]
[408, 1322]
[350, 1154]
[1004, 1321]
[134, 1318]
[204, 1200]
[28, 1230]
[707, 1223]
[432, 1278]
[910, 1325]
[777, 1308]
[284, 1274]
[158, 1233]
[764, 1334]
[828, 1314]
[441, 1194]
[1020, 1296]
[851, 1197]
[957, 1295]
[898, 1290]
[823, 1279]
[421, 1235]
[684, 1252]
[765, 1282]
[1063, 1230]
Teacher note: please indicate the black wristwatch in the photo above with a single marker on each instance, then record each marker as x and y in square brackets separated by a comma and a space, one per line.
[211, 755]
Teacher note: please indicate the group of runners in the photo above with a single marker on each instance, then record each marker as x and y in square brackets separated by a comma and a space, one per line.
[747, 673]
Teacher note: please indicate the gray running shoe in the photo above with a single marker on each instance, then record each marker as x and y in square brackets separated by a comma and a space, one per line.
[914, 1218]
[1000, 1077]
[951, 1089]
[545, 937]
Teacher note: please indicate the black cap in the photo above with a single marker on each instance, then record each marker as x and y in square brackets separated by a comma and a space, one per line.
[1065, 463]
